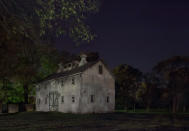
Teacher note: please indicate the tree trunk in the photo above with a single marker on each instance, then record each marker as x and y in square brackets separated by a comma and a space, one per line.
[26, 91]
[184, 108]
[179, 102]
[174, 105]
[148, 105]
[148, 108]
[5, 90]
[125, 104]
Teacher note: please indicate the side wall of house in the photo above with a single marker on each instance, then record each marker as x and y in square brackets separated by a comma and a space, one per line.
[68, 93]
[41, 94]
[101, 86]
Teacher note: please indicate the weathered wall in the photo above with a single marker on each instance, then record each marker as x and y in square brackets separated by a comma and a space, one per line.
[99, 85]
[88, 83]
[42, 91]
[70, 90]
[67, 90]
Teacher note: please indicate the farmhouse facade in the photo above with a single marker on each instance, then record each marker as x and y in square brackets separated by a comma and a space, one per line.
[78, 87]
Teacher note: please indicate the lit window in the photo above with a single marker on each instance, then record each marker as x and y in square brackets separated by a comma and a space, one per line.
[73, 81]
[62, 99]
[100, 69]
[108, 99]
[92, 98]
[73, 99]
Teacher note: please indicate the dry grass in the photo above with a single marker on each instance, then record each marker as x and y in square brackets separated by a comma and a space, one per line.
[101, 122]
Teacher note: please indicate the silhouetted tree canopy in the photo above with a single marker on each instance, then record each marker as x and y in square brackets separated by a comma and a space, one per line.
[48, 18]
[127, 83]
[175, 72]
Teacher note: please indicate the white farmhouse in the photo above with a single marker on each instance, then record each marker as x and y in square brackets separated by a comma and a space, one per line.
[78, 87]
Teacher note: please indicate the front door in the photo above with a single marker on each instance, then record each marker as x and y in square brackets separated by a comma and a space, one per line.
[53, 101]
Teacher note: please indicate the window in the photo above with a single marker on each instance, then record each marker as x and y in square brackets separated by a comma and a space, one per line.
[92, 98]
[62, 83]
[56, 82]
[46, 100]
[38, 101]
[62, 99]
[73, 81]
[38, 88]
[73, 99]
[100, 69]
[108, 99]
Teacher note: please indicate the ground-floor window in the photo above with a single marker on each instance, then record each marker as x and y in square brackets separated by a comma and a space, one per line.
[92, 98]
[62, 83]
[108, 99]
[46, 100]
[62, 99]
[38, 101]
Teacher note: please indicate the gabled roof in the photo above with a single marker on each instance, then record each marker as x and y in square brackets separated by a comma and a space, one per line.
[74, 71]
[71, 72]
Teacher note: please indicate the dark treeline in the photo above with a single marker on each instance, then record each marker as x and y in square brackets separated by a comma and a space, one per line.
[166, 87]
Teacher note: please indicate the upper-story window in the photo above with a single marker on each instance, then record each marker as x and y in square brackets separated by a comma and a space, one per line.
[38, 89]
[100, 69]
[73, 99]
[62, 82]
[73, 81]
[45, 87]
[56, 82]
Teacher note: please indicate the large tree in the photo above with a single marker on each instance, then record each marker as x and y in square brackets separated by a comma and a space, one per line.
[24, 23]
[175, 72]
[63, 17]
[149, 90]
[48, 18]
[127, 84]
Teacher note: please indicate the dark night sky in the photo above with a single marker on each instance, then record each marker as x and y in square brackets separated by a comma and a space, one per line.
[138, 32]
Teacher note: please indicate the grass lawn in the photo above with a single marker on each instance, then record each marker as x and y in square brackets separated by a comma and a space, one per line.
[118, 121]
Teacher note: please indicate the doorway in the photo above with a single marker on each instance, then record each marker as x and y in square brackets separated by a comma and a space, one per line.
[53, 101]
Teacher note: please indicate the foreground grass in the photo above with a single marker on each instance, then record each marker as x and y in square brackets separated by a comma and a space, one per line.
[152, 111]
[111, 121]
